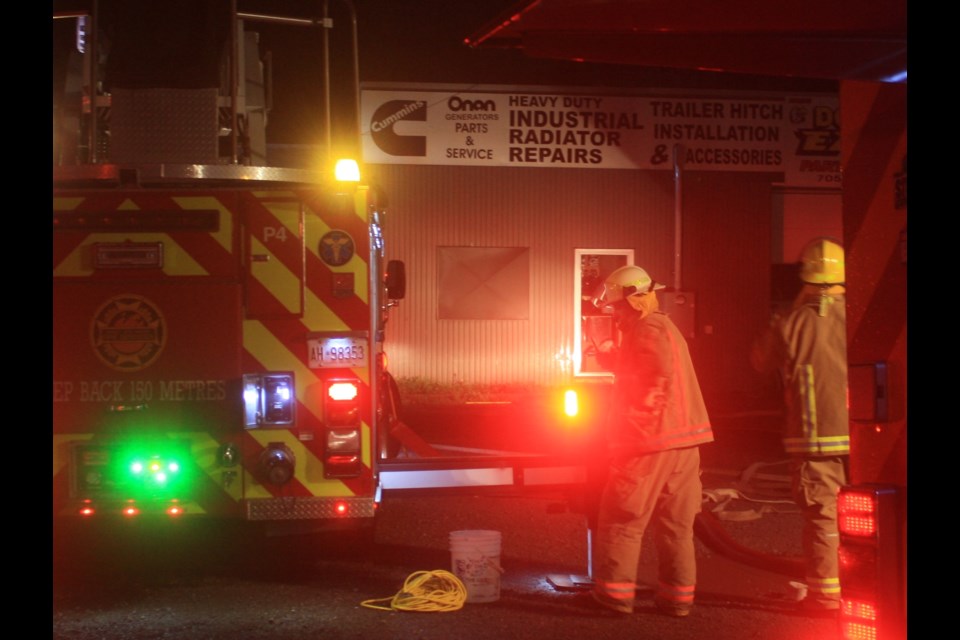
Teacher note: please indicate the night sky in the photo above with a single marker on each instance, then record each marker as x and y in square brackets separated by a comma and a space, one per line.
[420, 41]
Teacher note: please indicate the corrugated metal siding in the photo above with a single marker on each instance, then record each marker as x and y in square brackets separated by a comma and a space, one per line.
[550, 211]
[725, 251]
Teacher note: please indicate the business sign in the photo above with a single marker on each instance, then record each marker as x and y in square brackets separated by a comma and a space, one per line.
[796, 135]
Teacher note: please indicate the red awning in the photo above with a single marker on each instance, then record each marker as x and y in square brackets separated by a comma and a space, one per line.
[826, 39]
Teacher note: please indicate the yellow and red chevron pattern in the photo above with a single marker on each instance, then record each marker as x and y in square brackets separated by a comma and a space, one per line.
[158, 345]
[874, 151]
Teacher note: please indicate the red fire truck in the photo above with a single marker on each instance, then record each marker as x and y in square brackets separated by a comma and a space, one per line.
[873, 508]
[218, 314]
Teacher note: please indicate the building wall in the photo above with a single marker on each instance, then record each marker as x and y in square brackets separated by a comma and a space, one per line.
[725, 257]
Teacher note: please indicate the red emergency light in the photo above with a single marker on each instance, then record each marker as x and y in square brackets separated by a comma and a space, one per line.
[342, 391]
[857, 514]
[871, 604]
[858, 631]
[344, 437]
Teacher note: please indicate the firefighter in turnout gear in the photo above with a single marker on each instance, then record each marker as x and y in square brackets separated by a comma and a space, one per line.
[808, 344]
[655, 424]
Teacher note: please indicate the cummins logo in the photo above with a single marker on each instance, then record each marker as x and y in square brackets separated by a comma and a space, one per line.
[389, 114]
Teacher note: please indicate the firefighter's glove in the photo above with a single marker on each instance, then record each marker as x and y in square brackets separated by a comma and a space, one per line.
[656, 397]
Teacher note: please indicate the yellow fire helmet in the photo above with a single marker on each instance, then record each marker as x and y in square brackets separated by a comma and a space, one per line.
[624, 282]
[822, 262]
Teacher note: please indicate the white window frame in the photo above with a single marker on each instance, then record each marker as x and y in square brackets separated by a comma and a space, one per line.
[578, 256]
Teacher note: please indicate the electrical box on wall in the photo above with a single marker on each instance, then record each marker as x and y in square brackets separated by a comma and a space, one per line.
[680, 306]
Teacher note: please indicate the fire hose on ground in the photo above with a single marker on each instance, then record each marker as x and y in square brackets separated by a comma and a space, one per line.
[710, 530]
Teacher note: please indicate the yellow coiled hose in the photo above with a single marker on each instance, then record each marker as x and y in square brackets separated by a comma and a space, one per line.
[424, 591]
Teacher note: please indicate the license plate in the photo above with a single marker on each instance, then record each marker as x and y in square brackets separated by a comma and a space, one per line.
[337, 352]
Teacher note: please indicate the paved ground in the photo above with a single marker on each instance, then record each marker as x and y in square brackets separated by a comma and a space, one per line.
[209, 583]
[209, 586]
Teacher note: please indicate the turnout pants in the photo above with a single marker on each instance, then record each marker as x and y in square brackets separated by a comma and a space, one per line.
[664, 487]
[816, 483]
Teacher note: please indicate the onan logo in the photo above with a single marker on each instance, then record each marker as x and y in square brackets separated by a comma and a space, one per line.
[128, 332]
[456, 103]
[389, 114]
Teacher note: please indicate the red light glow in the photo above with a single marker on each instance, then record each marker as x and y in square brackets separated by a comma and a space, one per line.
[340, 508]
[131, 511]
[342, 391]
[857, 513]
[859, 609]
[175, 510]
[847, 559]
[858, 631]
[87, 511]
[862, 525]
[857, 502]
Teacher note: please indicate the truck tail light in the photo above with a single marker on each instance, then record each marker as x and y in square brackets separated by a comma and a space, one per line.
[341, 415]
[870, 563]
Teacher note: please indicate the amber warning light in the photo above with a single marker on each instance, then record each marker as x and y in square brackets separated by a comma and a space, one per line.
[571, 405]
[347, 170]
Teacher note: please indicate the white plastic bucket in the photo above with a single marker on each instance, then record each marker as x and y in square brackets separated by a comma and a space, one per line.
[475, 559]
